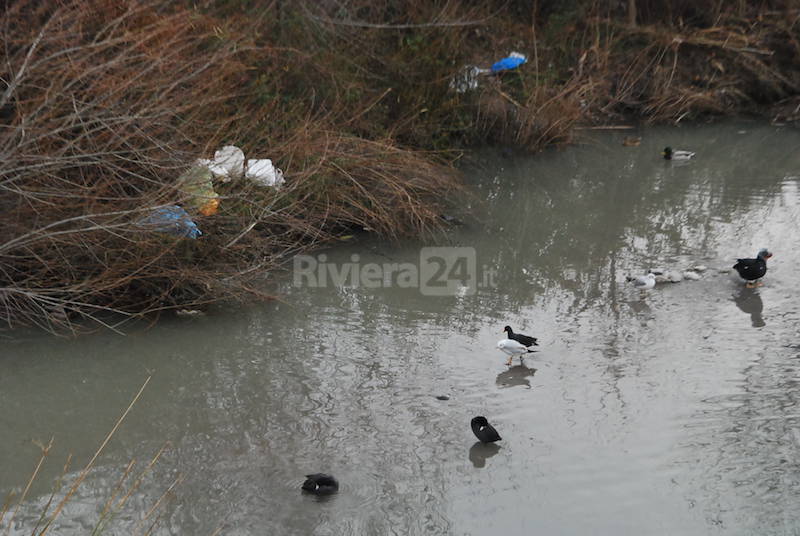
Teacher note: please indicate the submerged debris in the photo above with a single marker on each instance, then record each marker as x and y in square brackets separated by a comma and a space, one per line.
[189, 313]
[452, 220]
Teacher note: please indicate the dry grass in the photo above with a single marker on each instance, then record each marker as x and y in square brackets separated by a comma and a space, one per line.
[688, 72]
[106, 106]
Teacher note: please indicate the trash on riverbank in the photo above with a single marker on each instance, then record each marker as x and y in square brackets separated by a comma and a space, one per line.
[264, 173]
[512, 61]
[197, 183]
[467, 79]
[227, 164]
[172, 220]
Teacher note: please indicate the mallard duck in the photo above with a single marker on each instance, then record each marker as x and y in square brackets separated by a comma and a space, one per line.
[752, 270]
[645, 282]
[669, 154]
[484, 431]
[520, 338]
[320, 484]
[512, 348]
[631, 141]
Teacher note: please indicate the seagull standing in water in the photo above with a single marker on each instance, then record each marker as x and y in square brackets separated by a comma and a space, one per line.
[512, 348]
[645, 282]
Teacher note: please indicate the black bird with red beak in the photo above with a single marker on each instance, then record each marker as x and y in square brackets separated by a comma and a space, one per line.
[520, 338]
[752, 270]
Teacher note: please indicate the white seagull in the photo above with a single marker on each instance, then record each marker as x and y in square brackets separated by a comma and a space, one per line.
[512, 348]
[645, 282]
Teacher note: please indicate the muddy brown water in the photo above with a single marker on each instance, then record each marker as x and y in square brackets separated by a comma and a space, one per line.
[669, 412]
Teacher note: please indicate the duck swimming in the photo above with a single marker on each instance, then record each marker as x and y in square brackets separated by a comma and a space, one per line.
[520, 338]
[631, 141]
[320, 484]
[484, 431]
[669, 154]
[752, 270]
[512, 348]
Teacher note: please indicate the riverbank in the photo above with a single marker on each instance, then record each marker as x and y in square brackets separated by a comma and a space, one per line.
[105, 107]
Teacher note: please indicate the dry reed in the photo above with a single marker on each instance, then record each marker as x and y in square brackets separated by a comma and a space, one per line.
[107, 105]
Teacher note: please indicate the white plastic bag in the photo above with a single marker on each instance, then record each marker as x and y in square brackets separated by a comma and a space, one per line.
[227, 164]
[261, 171]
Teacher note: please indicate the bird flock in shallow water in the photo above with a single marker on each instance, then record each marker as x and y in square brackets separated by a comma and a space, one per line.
[751, 270]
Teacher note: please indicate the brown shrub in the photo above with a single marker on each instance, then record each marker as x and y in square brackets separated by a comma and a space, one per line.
[105, 106]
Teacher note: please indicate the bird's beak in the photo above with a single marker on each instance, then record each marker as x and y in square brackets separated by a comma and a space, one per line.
[769, 255]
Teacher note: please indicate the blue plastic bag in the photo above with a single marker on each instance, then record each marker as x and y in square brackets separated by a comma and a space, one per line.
[172, 220]
[512, 61]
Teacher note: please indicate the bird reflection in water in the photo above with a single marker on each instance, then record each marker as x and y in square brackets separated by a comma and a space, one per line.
[517, 375]
[480, 452]
[749, 301]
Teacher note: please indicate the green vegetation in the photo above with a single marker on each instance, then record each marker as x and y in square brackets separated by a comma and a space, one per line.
[103, 105]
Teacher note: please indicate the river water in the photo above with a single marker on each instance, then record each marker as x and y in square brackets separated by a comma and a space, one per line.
[673, 411]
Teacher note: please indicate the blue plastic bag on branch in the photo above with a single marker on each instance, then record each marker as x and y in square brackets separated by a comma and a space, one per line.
[171, 220]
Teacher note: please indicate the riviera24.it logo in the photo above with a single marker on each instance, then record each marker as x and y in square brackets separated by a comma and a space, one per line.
[439, 271]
